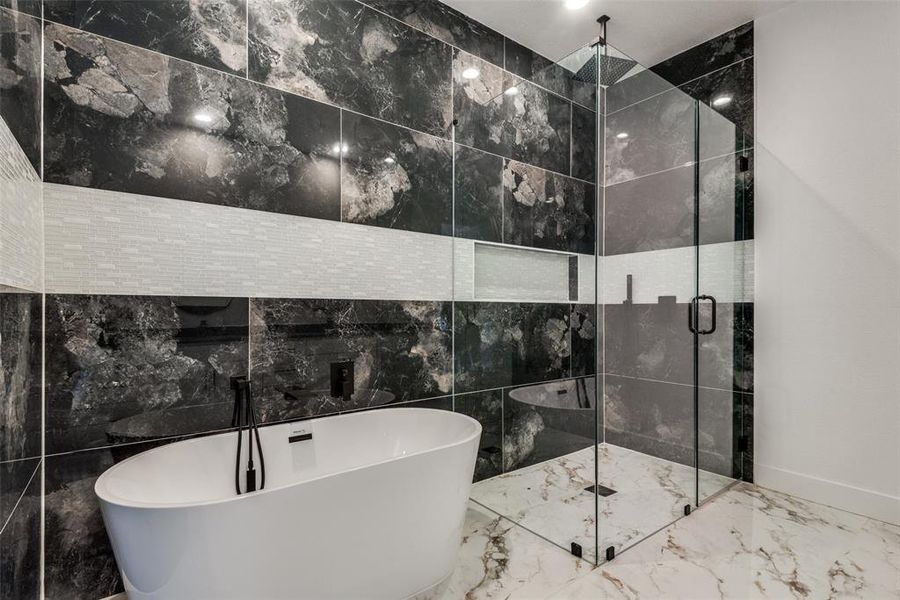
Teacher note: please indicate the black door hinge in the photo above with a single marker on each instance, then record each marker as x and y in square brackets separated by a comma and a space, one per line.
[576, 550]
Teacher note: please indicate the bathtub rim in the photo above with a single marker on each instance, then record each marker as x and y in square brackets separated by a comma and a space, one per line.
[105, 496]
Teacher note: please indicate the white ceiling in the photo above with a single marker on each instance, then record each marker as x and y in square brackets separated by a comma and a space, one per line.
[647, 30]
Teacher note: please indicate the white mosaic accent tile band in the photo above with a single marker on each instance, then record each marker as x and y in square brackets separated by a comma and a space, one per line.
[726, 272]
[102, 242]
[21, 231]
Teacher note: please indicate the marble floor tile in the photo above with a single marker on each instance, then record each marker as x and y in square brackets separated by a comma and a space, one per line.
[755, 543]
[549, 498]
[499, 559]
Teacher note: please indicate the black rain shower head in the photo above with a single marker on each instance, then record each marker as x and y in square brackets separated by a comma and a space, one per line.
[602, 68]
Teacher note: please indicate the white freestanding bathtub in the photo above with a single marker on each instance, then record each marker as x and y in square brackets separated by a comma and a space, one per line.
[372, 507]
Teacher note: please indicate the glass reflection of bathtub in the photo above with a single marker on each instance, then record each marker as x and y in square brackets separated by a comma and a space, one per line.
[548, 420]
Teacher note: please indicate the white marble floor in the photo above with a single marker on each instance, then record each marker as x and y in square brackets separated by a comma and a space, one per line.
[746, 543]
[549, 498]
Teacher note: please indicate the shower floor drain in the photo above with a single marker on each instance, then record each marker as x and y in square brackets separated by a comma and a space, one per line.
[600, 490]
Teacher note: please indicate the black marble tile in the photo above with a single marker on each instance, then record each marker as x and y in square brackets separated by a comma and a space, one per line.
[15, 476]
[31, 7]
[400, 352]
[447, 24]
[743, 346]
[20, 375]
[735, 82]
[212, 33]
[125, 368]
[726, 199]
[127, 119]
[530, 125]
[743, 447]
[634, 88]
[652, 341]
[584, 143]
[478, 195]
[351, 55]
[20, 81]
[499, 344]
[654, 212]
[395, 177]
[78, 557]
[20, 547]
[486, 408]
[657, 418]
[548, 420]
[545, 210]
[730, 47]
[534, 67]
[586, 338]
[656, 135]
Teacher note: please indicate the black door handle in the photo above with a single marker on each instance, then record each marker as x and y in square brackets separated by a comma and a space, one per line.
[694, 315]
[712, 326]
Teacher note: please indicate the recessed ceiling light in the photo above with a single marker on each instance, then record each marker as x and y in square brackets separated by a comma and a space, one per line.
[512, 91]
[576, 4]
[389, 160]
[471, 73]
[203, 118]
[622, 135]
[721, 100]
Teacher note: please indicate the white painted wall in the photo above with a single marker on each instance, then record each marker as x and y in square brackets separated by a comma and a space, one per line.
[828, 254]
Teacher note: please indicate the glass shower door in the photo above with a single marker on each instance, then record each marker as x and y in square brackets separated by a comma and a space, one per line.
[647, 459]
[724, 304]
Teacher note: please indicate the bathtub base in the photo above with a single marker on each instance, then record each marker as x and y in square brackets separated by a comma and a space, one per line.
[432, 591]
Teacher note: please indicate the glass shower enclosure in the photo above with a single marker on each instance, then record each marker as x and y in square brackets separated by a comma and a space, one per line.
[615, 276]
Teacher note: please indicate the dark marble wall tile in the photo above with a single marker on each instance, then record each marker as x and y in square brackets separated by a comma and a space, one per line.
[447, 24]
[500, 113]
[654, 212]
[726, 196]
[395, 177]
[652, 341]
[635, 88]
[728, 48]
[735, 82]
[499, 344]
[584, 143]
[487, 408]
[20, 81]
[548, 420]
[78, 558]
[15, 477]
[478, 195]
[127, 119]
[545, 210]
[120, 367]
[743, 346]
[20, 375]
[586, 338]
[531, 66]
[657, 418]
[649, 137]
[31, 7]
[212, 33]
[351, 55]
[400, 352]
[20, 546]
